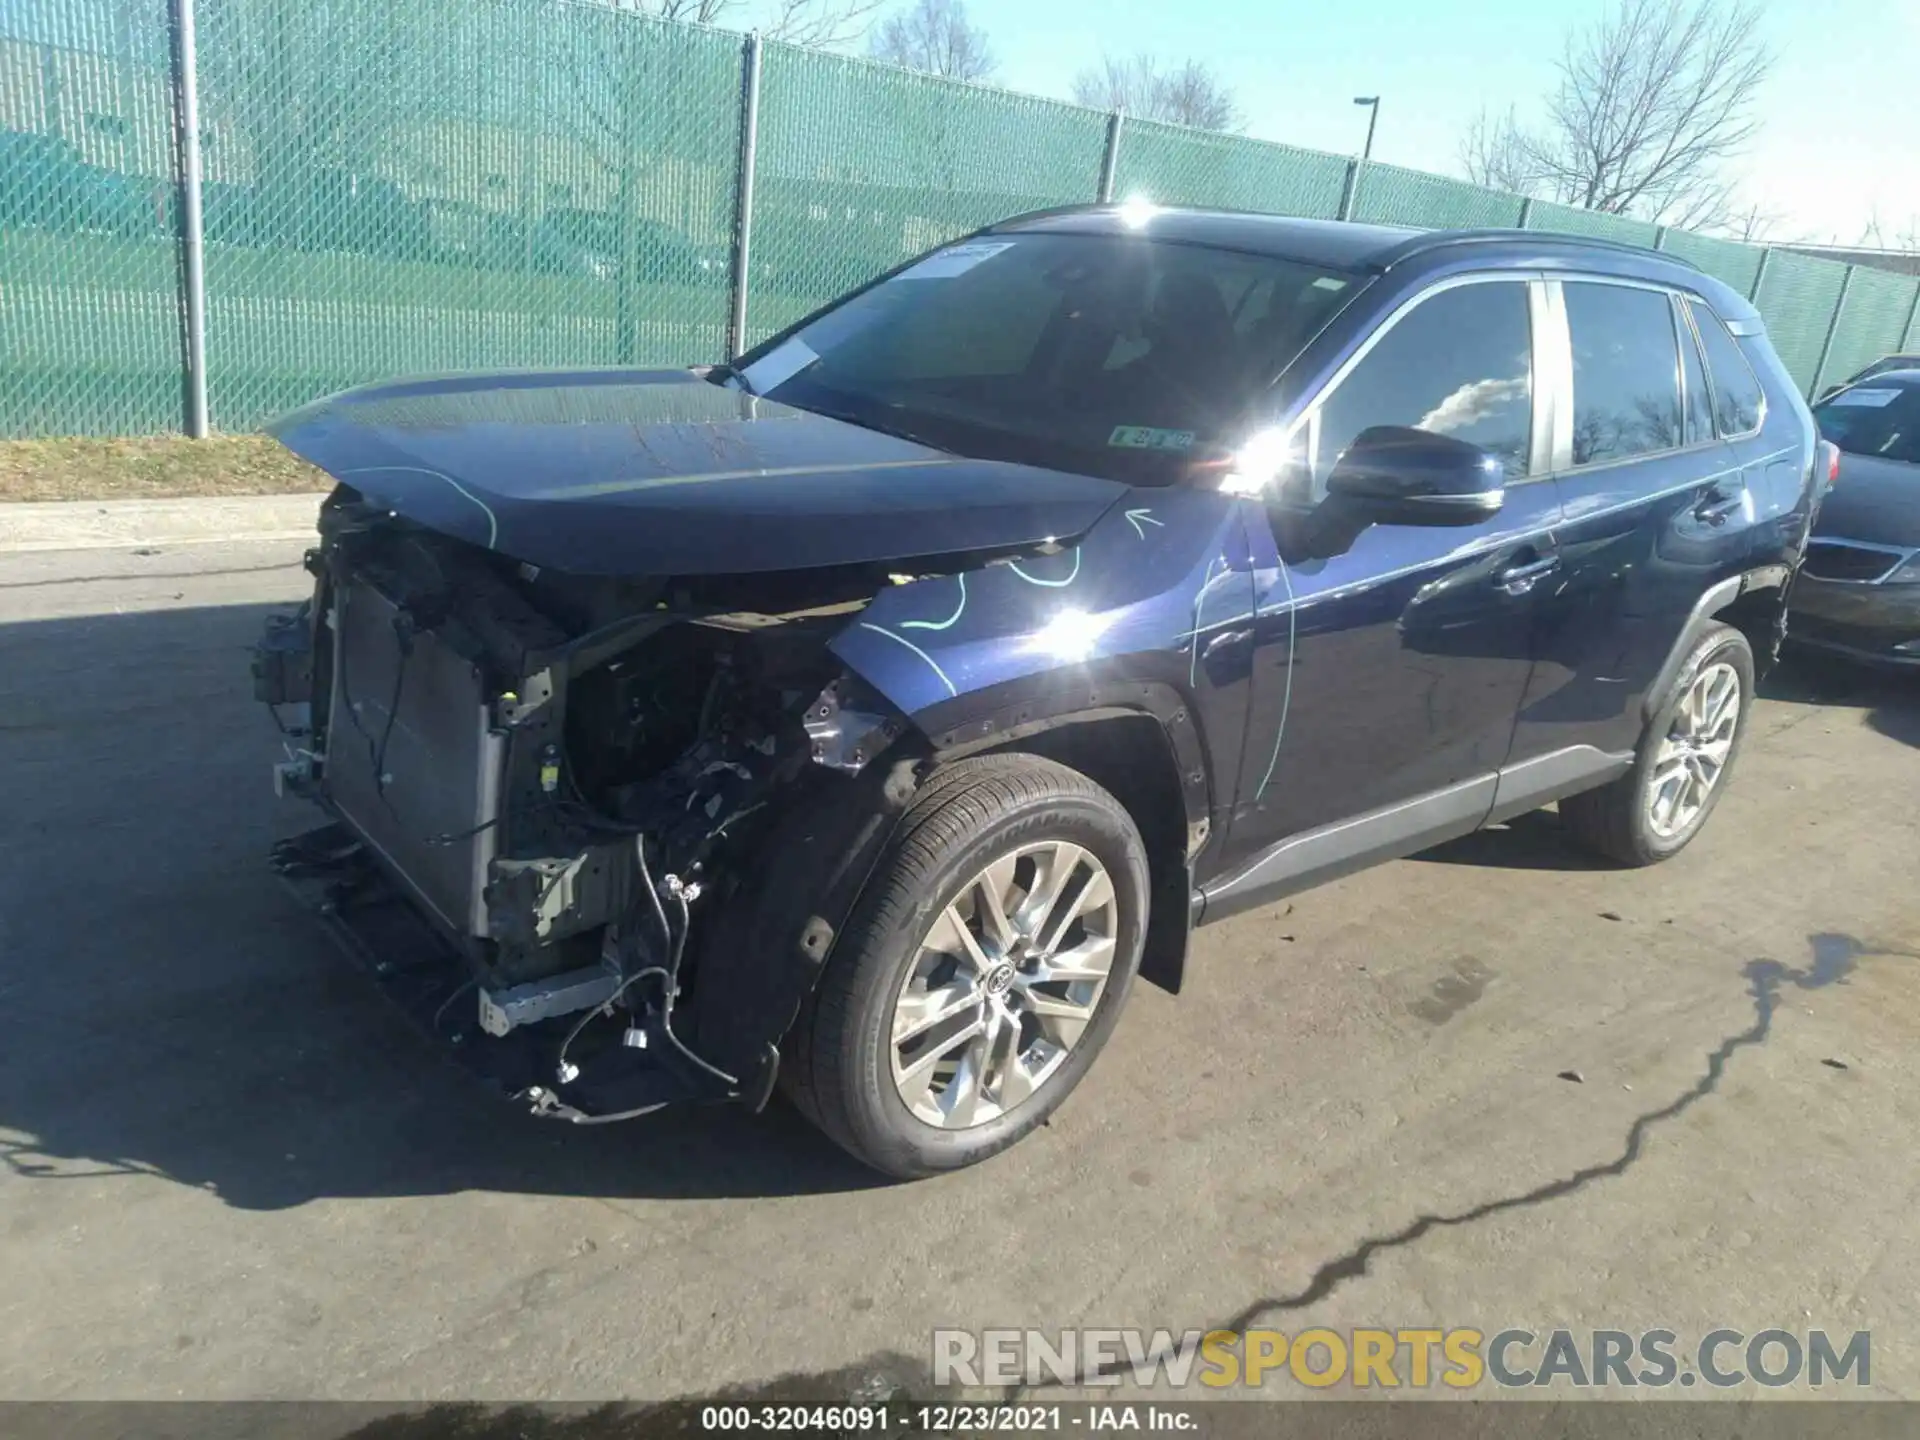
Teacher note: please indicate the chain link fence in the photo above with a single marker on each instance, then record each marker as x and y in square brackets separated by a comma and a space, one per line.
[466, 184]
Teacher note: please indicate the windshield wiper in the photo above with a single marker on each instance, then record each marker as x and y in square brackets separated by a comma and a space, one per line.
[721, 373]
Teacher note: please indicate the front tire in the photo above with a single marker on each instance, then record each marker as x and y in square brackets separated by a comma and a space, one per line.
[981, 972]
[1681, 768]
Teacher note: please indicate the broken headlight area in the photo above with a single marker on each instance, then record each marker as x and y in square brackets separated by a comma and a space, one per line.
[543, 787]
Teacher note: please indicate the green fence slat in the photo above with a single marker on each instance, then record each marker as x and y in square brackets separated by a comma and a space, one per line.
[1797, 299]
[1173, 165]
[1726, 260]
[398, 188]
[1871, 322]
[439, 186]
[1593, 224]
[862, 166]
[1388, 195]
[89, 297]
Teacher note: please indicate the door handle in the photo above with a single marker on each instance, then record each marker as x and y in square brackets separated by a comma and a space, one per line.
[1518, 579]
[1717, 507]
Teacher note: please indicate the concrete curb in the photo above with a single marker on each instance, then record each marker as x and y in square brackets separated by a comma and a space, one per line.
[116, 524]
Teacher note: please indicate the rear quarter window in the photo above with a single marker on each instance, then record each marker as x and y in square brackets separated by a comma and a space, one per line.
[1736, 390]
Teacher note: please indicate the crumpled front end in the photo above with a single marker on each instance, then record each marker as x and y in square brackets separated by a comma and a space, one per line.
[594, 833]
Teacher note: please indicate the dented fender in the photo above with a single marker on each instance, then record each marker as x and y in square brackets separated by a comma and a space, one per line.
[1125, 620]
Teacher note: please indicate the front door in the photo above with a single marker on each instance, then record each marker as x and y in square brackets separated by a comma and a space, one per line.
[1391, 659]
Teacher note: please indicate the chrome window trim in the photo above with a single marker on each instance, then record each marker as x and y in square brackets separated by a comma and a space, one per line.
[1683, 337]
[1549, 397]
[1559, 356]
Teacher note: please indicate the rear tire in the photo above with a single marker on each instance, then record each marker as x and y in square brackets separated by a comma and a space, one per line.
[925, 1049]
[1681, 768]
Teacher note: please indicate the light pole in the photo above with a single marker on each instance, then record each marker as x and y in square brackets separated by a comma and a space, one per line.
[1372, 102]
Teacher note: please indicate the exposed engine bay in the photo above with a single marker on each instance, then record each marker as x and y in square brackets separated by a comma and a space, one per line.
[598, 830]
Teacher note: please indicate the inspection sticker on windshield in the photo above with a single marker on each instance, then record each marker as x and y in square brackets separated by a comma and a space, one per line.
[955, 260]
[779, 365]
[1871, 398]
[1146, 437]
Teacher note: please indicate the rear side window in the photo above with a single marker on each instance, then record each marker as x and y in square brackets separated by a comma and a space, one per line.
[1736, 393]
[1626, 375]
[1459, 363]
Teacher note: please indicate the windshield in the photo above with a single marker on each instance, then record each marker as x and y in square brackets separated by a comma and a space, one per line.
[1880, 419]
[1114, 356]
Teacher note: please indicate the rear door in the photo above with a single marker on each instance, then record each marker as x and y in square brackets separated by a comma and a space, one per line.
[1654, 508]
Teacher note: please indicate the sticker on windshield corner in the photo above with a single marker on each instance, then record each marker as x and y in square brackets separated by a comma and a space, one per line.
[778, 365]
[1873, 398]
[1146, 437]
[955, 260]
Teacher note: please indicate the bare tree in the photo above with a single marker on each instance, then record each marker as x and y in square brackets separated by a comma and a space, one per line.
[1496, 153]
[1190, 94]
[1651, 105]
[936, 37]
[822, 24]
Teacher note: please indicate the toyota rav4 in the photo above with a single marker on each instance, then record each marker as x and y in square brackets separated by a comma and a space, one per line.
[863, 717]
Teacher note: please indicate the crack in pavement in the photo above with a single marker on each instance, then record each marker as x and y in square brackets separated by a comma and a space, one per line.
[1834, 958]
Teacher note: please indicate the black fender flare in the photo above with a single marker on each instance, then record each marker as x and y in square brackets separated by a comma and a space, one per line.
[1005, 716]
[1714, 602]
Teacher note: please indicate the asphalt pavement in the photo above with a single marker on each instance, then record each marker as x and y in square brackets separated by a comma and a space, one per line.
[1498, 1085]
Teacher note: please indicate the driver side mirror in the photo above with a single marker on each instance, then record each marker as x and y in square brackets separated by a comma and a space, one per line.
[1401, 476]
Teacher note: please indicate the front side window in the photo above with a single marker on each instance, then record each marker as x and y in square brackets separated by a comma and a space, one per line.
[1459, 363]
[1120, 356]
[1736, 393]
[1626, 376]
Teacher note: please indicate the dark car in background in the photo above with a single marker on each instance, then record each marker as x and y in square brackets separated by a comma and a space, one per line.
[1878, 367]
[865, 716]
[1858, 594]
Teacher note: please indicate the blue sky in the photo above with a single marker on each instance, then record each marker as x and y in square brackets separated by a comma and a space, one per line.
[1841, 112]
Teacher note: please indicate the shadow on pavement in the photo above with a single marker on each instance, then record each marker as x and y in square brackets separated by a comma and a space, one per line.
[1534, 841]
[1890, 697]
[181, 1015]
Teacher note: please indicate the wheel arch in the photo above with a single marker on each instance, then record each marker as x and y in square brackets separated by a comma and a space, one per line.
[1142, 748]
[1752, 601]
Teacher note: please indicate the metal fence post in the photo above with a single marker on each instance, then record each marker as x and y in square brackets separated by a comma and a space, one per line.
[193, 270]
[1660, 236]
[1911, 335]
[743, 195]
[1526, 212]
[1833, 329]
[1349, 191]
[1760, 273]
[1110, 157]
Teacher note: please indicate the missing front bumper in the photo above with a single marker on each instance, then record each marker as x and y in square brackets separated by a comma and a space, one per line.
[622, 1070]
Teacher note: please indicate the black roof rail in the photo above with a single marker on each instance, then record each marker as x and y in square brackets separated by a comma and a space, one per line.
[1440, 239]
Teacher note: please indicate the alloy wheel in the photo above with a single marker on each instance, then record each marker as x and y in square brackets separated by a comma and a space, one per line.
[1694, 753]
[1004, 984]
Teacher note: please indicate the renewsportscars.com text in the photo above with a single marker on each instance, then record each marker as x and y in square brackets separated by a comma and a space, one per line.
[1402, 1358]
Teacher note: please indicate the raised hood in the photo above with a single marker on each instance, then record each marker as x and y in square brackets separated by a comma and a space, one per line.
[659, 472]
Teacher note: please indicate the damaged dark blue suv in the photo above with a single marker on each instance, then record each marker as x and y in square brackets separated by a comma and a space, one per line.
[863, 717]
